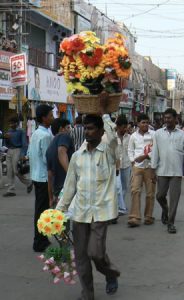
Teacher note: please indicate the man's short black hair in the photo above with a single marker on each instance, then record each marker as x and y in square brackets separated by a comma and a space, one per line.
[42, 110]
[171, 111]
[94, 119]
[57, 124]
[142, 117]
[121, 120]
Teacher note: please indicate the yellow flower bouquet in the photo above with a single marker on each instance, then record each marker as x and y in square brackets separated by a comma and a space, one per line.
[59, 261]
[90, 68]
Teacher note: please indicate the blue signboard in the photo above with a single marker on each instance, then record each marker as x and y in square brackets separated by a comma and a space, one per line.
[171, 74]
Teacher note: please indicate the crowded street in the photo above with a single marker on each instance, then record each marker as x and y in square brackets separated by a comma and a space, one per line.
[150, 260]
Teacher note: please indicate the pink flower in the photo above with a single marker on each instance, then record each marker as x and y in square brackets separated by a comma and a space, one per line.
[56, 270]
[41, 257]
[74, 272]
[45, 268]
[56, 280]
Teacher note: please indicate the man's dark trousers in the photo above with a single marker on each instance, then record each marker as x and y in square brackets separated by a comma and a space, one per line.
[41, 204]
[90, 244]
[173, 184]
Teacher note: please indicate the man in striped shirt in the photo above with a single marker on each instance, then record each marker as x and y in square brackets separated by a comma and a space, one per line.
[91, 184]
[77, 133]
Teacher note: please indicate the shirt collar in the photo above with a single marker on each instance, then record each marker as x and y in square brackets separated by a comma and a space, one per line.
[148, 132]
[175, 129]
[42, 128]
[100, 147]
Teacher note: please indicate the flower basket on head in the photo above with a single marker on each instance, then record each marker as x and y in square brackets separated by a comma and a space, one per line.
[90, 68]
[89, 104]
[59, 261]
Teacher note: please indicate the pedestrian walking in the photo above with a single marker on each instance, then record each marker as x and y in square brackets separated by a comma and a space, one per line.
[77, 133]
[125, 164]
[167, 161]
[39, 144]
[15, 141]
[139, 151]
[91, 183]
[58, 156]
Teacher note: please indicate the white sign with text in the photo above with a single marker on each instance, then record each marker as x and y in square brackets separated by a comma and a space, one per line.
[46, 85]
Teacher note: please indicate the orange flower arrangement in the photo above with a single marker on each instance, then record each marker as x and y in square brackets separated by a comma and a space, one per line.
[116, 56]
[94, 59]
[89, 67]
[72, 45]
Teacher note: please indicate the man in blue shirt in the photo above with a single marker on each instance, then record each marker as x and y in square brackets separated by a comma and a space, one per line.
[39, 144]
[15, 141]
[58, 156]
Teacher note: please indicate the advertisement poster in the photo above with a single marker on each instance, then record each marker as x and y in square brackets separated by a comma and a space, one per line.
[18, 69]
[5, 60]
[46, 85]
[6, 89]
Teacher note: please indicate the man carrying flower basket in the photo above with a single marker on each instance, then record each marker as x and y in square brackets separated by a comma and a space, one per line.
[91, 184]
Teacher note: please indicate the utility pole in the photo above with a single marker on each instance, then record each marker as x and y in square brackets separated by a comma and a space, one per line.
[19, 49]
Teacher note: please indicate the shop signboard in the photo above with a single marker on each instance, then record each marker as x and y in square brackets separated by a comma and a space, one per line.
[46, 85]
[171, 79]
[6, 89]
[18, 70]
[5, 59]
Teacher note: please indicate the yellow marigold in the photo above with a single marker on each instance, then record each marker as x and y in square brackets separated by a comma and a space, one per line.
[77, 86]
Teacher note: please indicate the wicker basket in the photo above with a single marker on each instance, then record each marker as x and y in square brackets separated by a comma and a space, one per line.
[90, 104]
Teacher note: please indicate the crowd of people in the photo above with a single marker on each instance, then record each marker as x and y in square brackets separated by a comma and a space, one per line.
[94, 164]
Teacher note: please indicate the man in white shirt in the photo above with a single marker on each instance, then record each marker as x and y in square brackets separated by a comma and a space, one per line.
[167, 160]
[125, 164]
[91, 184]
[139, 151]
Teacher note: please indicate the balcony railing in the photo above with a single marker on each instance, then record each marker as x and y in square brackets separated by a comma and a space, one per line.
[43, 59]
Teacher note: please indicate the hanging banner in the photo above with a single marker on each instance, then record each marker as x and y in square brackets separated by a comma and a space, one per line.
[18, 70]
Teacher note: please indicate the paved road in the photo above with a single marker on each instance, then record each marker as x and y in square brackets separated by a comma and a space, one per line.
[151, 260]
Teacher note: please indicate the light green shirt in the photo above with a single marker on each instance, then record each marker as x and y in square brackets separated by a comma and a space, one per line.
[168, 151]
[91, 180]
